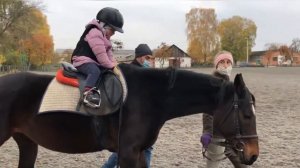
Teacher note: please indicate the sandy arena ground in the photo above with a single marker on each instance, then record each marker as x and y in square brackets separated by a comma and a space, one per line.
[277, 92]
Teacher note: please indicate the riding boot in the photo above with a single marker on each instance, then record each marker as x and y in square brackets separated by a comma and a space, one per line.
[215, 153]
[234, 158]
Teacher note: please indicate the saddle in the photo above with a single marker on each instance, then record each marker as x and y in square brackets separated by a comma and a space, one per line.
[110, 87]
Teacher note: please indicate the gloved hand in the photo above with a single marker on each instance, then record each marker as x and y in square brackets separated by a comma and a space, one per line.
[205, 140]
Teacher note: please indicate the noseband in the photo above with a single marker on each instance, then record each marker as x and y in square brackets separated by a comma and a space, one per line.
[236, 142]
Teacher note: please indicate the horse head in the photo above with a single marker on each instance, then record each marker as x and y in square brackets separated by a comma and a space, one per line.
[237, 121]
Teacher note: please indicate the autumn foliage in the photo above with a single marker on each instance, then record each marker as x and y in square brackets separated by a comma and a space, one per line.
[206, 35]
[203, 41]
[162, 53]
[39, 46]
[39, 49]
[238, 36]
[25, 34]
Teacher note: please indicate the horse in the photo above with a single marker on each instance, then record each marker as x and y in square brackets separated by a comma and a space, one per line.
[154, 97]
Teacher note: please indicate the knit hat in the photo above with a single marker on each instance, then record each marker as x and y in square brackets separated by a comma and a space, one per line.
[142, 50]
[221, 56]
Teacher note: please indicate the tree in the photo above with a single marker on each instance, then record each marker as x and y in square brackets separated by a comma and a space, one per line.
[16, 22]
[295, 46]
[162, 53]
[39, 46]
[39, 49]
[286, 52]
[235, 33]
[2, 59]
[12, 57]
[272, 46]
[203, 40]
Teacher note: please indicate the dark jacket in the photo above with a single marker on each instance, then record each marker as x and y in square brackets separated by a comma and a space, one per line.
[82, 47]
[135, 62]
[206, 118]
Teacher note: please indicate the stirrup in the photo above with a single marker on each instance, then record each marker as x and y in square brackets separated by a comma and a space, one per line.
[89, 104]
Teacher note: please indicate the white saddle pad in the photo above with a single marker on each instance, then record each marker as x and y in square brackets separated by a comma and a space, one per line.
[60, 97]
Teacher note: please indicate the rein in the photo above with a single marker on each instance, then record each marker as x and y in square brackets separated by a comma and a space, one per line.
[119, 134]
[172, 79]
[236, 143]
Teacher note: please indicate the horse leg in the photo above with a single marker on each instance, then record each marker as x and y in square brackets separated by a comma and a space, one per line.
[27, 150]
[4, 135]
[142, 160]
[130, 158]
[5, 132]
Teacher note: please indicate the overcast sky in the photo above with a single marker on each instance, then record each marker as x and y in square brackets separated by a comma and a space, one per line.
[156, 21]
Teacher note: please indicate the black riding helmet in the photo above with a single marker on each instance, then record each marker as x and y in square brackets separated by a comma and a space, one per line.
[112, 17]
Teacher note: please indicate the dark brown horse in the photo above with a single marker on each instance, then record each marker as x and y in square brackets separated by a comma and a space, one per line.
[154, 96]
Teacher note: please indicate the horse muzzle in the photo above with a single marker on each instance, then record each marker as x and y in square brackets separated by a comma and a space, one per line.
[248, 150]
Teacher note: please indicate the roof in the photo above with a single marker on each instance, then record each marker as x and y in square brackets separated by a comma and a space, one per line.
[176, 47]
[257, 53]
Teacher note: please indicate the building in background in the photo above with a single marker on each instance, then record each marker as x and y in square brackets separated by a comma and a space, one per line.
[273, 58]
[177, 59]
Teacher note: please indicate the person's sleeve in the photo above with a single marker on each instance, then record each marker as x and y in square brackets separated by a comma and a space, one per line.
[207, 123]
[111, 57]
[95, 40]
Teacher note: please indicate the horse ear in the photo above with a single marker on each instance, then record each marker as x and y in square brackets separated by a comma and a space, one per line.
[239, 84]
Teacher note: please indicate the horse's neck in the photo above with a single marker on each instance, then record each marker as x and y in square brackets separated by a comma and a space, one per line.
[176, 92]
[194, 93]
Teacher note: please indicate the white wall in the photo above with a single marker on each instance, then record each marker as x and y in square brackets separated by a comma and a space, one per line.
[159, 63]
[185, 62]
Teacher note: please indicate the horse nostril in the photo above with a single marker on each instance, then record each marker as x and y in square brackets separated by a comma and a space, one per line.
[253, 158]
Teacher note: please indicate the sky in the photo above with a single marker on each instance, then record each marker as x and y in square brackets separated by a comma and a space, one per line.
[156, 21]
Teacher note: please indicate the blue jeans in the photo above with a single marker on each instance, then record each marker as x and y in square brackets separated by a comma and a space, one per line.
[93, 72]
[113, 159]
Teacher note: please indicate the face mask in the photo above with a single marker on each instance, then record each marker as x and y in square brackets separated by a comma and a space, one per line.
[146, 64]
[224, 71]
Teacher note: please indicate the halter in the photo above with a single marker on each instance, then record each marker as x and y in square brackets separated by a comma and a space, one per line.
[236, 142]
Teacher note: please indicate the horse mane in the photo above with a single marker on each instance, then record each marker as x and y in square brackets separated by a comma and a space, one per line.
[225, 89]
[176, 86]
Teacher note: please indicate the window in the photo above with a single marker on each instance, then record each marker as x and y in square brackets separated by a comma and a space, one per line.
[275, 58]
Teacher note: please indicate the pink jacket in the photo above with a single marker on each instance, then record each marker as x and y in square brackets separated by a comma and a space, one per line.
[100, 45]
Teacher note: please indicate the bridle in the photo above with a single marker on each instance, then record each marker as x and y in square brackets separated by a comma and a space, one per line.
[236, 142]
